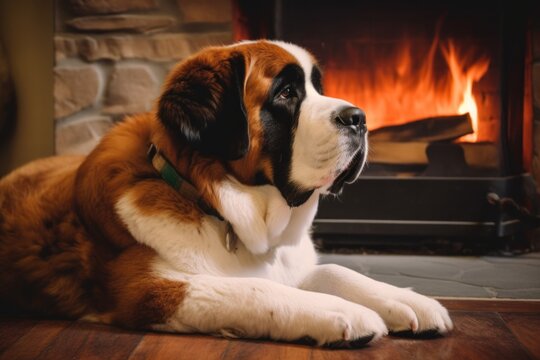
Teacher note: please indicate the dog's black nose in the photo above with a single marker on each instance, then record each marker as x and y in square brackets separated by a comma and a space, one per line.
[351, 117]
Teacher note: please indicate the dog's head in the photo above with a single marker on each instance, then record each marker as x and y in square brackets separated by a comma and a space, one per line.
[259, 106]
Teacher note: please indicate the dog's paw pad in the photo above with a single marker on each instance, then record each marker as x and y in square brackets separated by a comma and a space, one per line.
[363, 341]
[356, 343]
[425, 334]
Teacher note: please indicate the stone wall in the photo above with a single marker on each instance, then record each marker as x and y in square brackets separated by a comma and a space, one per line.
[111, 57]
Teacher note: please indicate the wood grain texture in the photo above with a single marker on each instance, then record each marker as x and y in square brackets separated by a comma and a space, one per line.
[476, 336]
[495, 333]
[516, 306]
[105, 342]
[526, 327]
[425, 130]
[239, 350]
[179, 347]
[57, 339]
[12, 329]
[32, 344]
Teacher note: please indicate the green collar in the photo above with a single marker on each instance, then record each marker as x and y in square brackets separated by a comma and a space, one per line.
[169, 174]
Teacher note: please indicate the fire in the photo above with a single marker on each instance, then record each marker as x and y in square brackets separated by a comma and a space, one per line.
[396, 85]
[463, 83]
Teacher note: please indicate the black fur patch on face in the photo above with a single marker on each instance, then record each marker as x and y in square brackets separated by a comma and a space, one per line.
[316, 79]
[279, 116]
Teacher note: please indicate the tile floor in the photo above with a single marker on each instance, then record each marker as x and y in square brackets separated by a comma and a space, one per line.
[515, 277]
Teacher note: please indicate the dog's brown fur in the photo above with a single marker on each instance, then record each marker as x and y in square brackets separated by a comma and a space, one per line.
[63, 249]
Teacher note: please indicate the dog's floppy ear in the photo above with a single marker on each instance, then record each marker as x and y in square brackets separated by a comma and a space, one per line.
[203, 104]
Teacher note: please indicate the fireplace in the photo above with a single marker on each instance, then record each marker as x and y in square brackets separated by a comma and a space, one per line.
[443, 86]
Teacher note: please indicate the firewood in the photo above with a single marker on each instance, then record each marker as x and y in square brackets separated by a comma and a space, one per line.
[414, 153]
[441, 128]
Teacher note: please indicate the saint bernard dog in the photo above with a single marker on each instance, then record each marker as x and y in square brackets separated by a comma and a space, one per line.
[195, 217]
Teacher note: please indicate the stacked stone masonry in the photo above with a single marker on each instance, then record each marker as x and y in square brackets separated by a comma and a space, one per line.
[111, 57]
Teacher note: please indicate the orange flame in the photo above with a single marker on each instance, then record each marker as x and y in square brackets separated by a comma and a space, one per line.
[462, 86]
[407, 84]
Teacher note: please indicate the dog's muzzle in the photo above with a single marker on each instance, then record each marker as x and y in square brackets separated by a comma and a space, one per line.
[353, 120]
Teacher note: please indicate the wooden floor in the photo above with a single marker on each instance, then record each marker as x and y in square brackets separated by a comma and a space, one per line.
[483, 330]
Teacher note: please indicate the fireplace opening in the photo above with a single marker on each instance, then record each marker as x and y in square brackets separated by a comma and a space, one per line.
[420, 91]
[443, 87]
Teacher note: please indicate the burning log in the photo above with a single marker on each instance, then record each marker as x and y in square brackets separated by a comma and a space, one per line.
[407, 143]
[441, 128]
[414, 153]
[398, 153]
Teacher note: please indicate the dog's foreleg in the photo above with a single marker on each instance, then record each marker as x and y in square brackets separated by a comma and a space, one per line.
[255, 308]
[402, 309]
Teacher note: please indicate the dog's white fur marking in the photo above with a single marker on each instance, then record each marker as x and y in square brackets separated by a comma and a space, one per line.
[188, 248]
[319, 148]
[271, 286]
[276, 294]
[401, 309]
[257, 213]
[225, 306]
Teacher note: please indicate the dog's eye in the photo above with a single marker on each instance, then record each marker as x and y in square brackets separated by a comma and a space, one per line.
[286, 93]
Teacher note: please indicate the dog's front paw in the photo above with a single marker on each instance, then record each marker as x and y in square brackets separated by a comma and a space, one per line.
[431, 315]
[365, 326]
[345, 328]
[258, 214]
[408, 312]
[351, 331]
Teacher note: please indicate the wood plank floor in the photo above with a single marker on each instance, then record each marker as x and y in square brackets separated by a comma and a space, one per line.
[483, 330]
